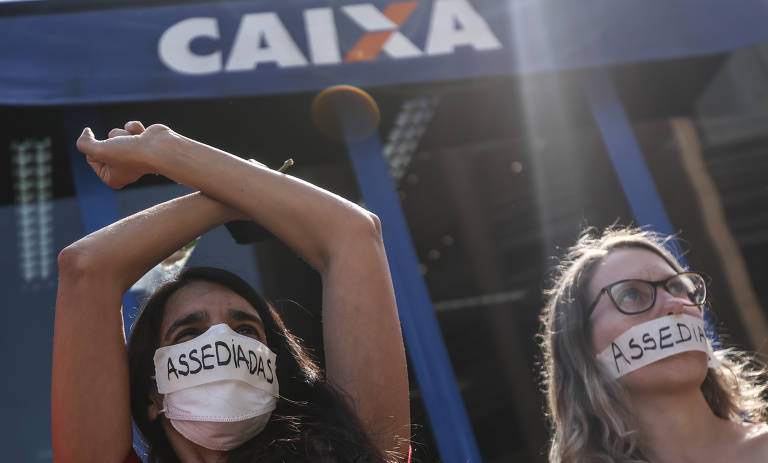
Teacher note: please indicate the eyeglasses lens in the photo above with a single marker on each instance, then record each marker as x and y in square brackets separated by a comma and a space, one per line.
[633, 295]
[688, 285]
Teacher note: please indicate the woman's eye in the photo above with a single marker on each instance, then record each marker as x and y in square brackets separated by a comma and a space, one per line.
[628, 295]
[632, 297]
[247, 330]
[679, 288]
[186, 335]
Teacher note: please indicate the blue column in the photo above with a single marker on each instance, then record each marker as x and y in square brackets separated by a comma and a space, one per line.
[630, 166]
[426, 348]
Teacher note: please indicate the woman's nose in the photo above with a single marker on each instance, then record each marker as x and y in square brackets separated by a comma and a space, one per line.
[672, 305]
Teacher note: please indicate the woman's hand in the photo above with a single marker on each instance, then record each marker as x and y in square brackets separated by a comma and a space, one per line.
[126, 154]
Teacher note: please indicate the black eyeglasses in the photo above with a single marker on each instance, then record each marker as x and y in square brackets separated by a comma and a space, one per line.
[632, 297]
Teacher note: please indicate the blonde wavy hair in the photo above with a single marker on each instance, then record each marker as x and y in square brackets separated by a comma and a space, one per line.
[590, 414]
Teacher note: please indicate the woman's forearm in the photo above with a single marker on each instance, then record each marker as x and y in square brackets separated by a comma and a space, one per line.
[125, 250]
[312, 221]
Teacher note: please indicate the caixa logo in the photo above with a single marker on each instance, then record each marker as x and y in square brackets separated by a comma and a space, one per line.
[263, 38]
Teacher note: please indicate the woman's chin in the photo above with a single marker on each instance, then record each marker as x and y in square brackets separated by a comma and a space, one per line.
[678, 373]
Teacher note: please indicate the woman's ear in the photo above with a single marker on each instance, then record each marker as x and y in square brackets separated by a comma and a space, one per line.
[155, 404]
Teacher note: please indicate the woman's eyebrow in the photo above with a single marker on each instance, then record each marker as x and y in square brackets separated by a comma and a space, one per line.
[245, 315]
[190, 319]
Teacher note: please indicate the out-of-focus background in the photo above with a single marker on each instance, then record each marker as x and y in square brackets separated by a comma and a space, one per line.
[506, 127]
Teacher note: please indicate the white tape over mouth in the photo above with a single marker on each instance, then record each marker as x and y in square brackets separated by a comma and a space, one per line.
[218, 354]
[651, 341]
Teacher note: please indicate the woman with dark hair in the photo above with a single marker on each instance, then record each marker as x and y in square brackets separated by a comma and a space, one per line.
[629, 373]
[211, 373]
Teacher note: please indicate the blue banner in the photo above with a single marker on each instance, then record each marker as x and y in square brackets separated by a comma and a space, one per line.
[249, 48]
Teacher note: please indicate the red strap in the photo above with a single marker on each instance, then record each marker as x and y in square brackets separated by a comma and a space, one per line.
[133, 458]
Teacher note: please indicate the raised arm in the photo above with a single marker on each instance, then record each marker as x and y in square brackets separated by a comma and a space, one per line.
[363, 344]
[90, 412]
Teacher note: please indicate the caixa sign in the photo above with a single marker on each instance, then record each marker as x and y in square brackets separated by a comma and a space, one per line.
[263, 38]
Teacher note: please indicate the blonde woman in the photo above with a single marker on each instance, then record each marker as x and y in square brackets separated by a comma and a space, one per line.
[687, 405]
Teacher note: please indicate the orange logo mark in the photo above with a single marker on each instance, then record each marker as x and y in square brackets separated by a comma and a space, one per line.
[370, 45]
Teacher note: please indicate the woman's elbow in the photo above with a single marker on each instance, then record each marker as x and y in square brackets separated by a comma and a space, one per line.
[365, 232]
[358, 225]
[356, 236]
[374, 226]
[73, 261]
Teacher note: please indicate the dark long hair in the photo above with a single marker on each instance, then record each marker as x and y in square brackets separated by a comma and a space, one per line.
[312, 422]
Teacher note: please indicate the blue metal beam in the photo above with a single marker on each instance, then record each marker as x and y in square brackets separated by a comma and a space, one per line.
[429, 358]
[630, 166]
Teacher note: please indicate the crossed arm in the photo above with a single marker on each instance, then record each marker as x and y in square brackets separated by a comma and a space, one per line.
[90, 405]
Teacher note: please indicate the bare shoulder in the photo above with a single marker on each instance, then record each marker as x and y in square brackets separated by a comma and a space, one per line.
[755, 444]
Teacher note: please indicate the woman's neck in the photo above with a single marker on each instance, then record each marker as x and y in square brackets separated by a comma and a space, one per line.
[680, 427]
